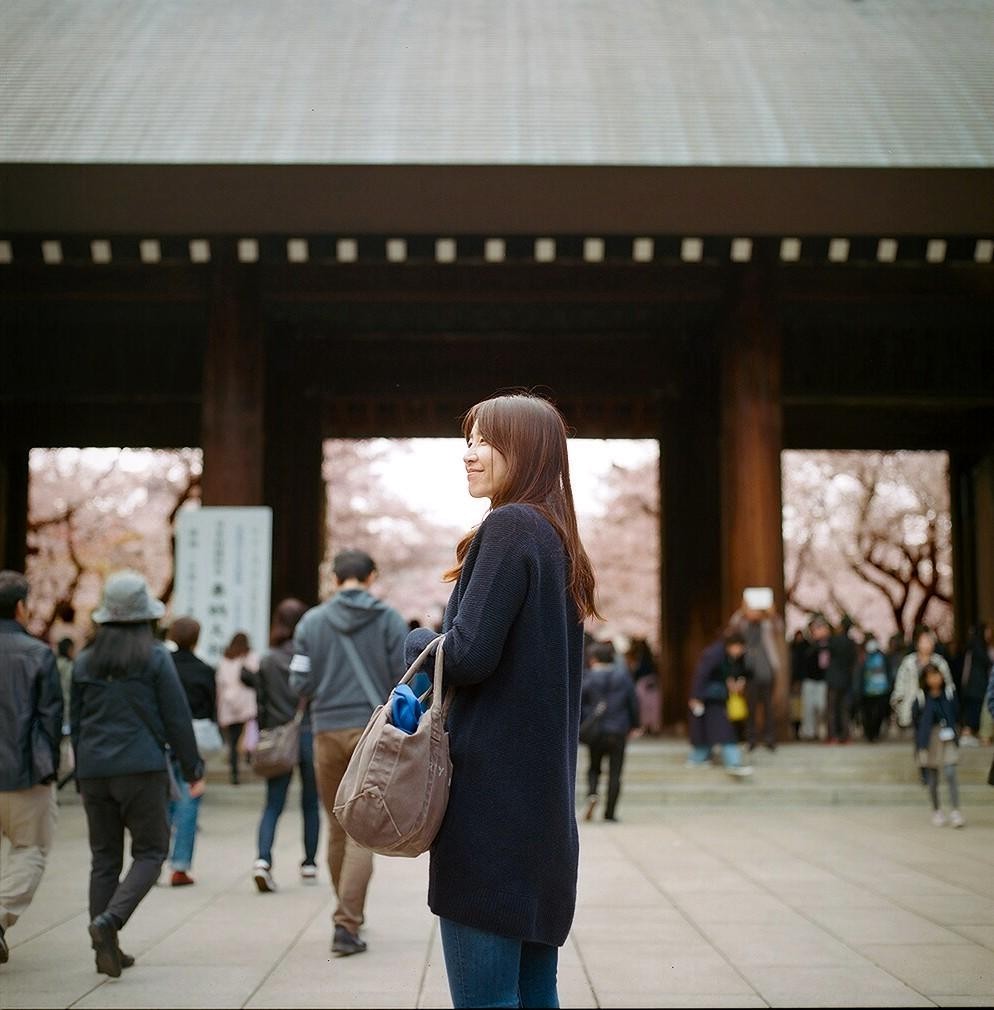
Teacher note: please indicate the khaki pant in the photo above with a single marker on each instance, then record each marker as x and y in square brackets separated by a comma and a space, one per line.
[350, 865]
[27, 819]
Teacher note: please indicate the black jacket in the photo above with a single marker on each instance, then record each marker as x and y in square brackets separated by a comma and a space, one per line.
[30, 710]
[928, 712]
[121, 727]
[612, 685]
[276, 699]
[199, 683]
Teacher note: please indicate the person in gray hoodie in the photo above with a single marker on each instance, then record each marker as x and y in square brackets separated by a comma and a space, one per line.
[348, 656]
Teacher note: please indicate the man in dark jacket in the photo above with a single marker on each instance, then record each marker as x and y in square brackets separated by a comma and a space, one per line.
[348, 655]
[608, 713]
[30, 734]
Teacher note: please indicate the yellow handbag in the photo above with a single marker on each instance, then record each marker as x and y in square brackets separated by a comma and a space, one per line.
[737, 707]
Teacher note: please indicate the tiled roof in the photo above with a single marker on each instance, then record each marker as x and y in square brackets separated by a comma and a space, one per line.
[877, 83]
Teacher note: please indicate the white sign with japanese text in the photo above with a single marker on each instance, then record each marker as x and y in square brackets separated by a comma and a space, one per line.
[223, 563]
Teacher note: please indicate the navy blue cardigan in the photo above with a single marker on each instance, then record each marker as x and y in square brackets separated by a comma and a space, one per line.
[505, 859]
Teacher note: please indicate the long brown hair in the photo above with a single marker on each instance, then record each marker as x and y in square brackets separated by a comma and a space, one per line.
[531, 434]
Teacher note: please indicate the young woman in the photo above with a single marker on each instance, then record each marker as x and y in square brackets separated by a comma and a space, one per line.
[277, 704]
[236, 704]
[504, 864]
[127, 704]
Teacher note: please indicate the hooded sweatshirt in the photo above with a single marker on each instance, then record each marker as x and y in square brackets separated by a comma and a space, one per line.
[321, 668]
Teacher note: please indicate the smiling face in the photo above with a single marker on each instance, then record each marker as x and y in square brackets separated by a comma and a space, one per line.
[486, 467]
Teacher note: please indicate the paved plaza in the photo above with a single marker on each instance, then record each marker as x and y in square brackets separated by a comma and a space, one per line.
[716, 904]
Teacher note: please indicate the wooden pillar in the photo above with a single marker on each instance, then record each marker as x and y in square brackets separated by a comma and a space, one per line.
[983, 559]
[14, 502]
[233, 388]
[294, 486]
[964, 544]
[752, 441]
[690, 524]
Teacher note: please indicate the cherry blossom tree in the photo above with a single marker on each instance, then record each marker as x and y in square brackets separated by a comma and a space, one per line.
[95, 511]
[868, 534]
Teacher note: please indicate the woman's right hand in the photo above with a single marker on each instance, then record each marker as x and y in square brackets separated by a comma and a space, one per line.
[198, 788]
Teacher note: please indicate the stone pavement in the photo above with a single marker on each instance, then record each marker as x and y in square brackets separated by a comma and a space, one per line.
[713, 905]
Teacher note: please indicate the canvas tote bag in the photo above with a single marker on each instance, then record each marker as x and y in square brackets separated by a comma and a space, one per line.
[393, 795]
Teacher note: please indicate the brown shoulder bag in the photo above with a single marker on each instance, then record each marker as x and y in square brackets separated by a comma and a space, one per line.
[393, 795]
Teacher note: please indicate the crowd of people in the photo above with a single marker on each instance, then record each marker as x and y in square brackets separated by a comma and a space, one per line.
[841, 685]
[142, 712]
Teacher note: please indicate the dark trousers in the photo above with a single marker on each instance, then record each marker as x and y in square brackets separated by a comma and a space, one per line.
[140, 804]
[759, 694]
[876, 709]
[838, 713]
[233, 734]
[612, 747]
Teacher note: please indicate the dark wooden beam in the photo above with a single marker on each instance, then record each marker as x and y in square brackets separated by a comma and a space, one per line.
[495, 199]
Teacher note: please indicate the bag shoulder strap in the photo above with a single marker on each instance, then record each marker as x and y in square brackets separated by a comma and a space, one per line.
[365, 680]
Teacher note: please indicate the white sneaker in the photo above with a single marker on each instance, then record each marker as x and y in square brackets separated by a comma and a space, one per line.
[968, 740]
[740, 771]
[308, 873]
[262, 877]
[938, 818]
[956, 819]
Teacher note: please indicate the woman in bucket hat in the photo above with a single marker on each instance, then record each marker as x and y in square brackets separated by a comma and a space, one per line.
[127, 705]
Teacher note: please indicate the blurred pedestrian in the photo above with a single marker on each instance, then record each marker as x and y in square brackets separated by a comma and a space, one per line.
[908, 676]
[277, 704]
[236, 704]
[64, 652]
[199, 685]
[814, 690]
[933, 711]
[987, 712]
[504, 864]
[127, 706]
[839, 682]
[977, 659]
[348, 653]
[720, 671]
[765, 661]
[798, 655]
[608, 704]
[31, 718]
[642, 667]
[874, 683]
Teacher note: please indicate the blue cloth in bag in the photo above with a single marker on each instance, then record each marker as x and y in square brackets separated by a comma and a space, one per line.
[405, 709]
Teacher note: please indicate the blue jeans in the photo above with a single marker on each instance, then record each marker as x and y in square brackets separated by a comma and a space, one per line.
[183, 818]
[487, 970]
[276, 790]
[731, 756]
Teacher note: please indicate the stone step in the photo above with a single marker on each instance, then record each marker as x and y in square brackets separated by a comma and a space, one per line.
[804, 774]
[797, 773]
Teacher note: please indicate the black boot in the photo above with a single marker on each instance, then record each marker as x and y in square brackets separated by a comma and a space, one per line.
[103, 934]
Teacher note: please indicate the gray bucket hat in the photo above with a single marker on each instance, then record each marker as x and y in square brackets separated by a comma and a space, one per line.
[127, 600]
